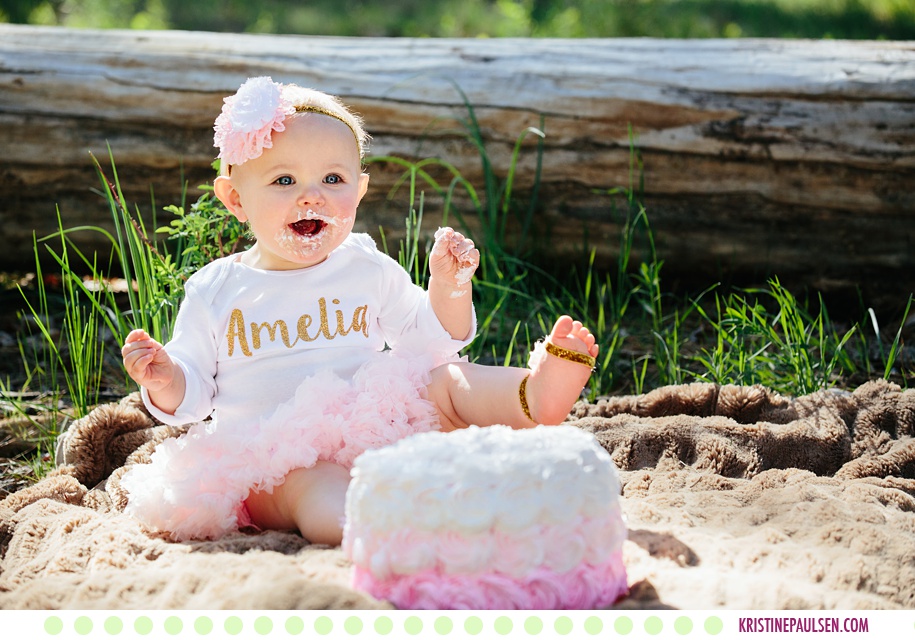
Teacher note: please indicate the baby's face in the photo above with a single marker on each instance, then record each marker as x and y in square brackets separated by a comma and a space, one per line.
[300, 196]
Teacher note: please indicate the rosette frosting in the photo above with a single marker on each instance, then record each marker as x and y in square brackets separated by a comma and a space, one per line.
[488, 518]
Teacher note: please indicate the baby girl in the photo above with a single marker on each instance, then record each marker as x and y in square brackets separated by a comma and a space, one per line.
[312, 346]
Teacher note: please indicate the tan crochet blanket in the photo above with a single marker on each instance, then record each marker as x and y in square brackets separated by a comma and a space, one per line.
[735, 497]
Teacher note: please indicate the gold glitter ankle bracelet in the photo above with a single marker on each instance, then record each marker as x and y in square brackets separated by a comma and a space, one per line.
[522, 395]
[571, 356]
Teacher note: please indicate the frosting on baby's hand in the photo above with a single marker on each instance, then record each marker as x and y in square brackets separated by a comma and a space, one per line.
[464, 256]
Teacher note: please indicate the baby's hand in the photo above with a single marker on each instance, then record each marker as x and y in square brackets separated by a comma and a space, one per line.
[146, 361]
[454, 258]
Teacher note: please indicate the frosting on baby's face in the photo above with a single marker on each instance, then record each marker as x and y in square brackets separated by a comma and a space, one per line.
[299, 196]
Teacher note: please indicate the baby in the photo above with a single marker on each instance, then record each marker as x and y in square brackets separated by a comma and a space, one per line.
[313, 346]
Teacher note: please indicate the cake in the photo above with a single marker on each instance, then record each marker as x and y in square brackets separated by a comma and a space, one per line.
[487, 518]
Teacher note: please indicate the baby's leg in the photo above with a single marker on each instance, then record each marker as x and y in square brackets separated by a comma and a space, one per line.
[311, 499]
[468, 394]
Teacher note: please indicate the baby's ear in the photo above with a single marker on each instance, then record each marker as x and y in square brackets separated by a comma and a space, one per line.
[227, 193]
[363, 185]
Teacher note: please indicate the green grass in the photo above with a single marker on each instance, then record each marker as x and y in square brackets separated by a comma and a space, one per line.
[782, 346]
[647, 337]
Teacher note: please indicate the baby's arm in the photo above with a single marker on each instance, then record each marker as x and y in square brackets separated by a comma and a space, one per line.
[452, 264]
[151, 367]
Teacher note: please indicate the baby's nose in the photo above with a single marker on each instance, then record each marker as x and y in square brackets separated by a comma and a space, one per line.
[311, 193]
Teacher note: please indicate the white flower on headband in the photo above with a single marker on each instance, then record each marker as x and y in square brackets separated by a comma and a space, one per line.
[249, 118]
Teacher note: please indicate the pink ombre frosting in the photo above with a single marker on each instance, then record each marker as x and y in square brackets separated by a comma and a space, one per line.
[584, 587]
[488, 518]
[557, 547]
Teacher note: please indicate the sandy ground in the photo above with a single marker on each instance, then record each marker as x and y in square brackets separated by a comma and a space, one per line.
[735, 498]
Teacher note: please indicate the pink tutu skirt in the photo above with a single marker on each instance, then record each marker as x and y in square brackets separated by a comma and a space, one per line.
[195, 485]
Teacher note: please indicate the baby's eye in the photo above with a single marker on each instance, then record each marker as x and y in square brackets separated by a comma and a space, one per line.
[285, 181]
[333, 178]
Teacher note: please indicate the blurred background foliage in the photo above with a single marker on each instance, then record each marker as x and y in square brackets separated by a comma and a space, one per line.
[853, 19]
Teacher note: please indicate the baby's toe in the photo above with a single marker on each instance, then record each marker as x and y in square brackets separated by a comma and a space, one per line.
[562, 328]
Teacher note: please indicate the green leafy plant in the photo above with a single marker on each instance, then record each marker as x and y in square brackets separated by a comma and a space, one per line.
[204, 233]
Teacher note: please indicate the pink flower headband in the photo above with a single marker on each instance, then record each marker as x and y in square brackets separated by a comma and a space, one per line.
[248, 119]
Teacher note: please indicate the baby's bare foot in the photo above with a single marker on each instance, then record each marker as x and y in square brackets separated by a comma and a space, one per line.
[556, 380]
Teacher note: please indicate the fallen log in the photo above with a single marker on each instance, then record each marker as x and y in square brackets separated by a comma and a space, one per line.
[760, 157]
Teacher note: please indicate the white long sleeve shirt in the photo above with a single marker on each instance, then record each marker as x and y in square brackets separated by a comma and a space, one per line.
[245, 338]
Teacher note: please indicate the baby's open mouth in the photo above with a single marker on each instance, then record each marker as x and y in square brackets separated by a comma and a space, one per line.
[308, 228]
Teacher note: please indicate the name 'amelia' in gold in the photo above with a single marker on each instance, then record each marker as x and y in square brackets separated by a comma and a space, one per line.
[238, 328]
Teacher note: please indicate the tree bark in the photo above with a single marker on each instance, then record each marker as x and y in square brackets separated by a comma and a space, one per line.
[760, 157]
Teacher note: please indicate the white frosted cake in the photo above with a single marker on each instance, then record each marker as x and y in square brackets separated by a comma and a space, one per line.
[488, 519]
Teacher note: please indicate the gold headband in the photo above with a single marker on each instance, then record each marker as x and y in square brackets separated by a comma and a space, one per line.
[308, 108]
